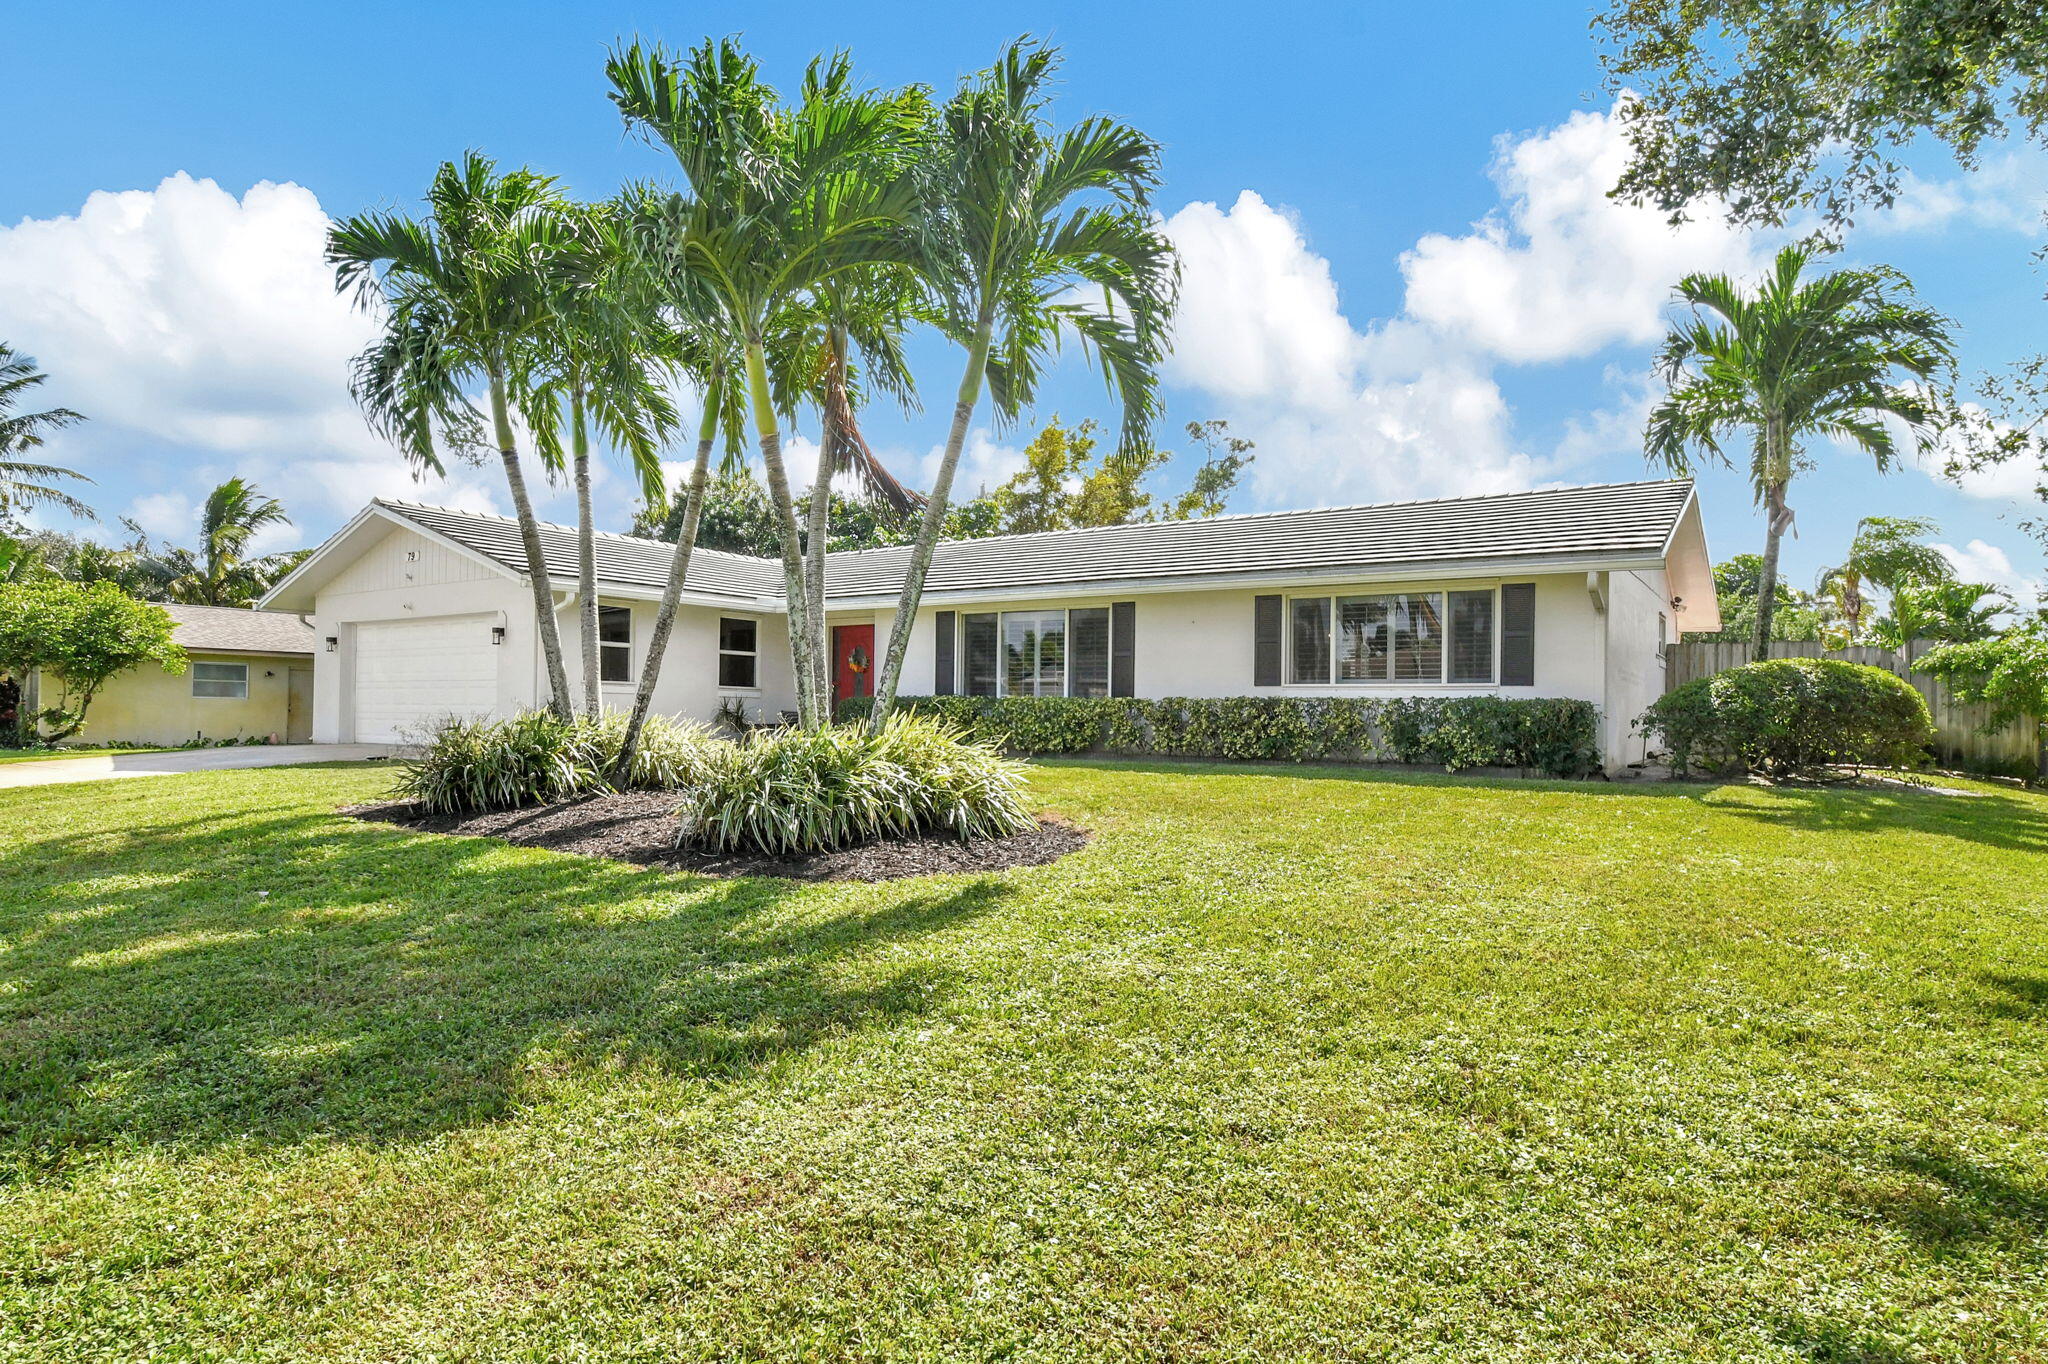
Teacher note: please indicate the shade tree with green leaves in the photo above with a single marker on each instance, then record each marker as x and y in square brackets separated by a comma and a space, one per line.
[1838, 356]
[78, 635]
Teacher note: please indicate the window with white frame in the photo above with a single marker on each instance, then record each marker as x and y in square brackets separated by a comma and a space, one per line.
[739, 651]
[614, 644]
[221, 681]
[1393, 637]
[1035, 653]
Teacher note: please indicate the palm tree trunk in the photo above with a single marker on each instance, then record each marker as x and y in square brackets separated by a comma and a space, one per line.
[1778, 474]
[934, 522]
[820, 519]
[586, 553]
[536, 557]
[800, 640]
[678, 571]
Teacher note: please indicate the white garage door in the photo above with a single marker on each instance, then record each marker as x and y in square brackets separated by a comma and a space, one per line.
[412, 674]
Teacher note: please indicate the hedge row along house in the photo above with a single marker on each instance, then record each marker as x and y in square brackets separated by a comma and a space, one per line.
[423, 612]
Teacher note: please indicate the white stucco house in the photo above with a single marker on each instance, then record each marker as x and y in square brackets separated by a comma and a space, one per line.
[421, 612]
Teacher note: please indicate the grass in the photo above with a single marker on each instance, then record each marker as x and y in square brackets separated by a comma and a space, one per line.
[1284, 1065]
[48, 754]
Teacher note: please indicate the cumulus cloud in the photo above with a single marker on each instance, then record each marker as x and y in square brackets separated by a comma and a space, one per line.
[1411, 405]
[2005, 193]
[1560, 270]
[1980, 561]
[201, 334]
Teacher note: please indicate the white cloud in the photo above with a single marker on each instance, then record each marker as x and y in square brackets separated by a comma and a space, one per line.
[1560, 270]
[2005, 193]
[985, 463]
[1980, 561]
[2014, 480]
[1410, 406]
[201, 334]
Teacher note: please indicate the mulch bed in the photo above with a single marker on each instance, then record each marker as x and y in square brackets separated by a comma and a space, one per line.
[640, 827]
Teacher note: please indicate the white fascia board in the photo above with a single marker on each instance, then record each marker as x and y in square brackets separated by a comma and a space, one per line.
[637, 592]
[1414, 572]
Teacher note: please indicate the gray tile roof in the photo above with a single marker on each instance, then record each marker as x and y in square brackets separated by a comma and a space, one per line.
[624, 559]
[1605, 520]
[1597, 521]
[231, 629]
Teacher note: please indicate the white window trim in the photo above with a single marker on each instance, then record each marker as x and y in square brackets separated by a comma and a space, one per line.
[961, 680]
[632, 677]
[753, 653]
[1333, 595]
[199, 663]
[1003, 673]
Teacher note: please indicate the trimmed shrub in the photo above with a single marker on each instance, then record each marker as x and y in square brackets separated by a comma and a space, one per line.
[1557, 737]
[1793, 717]
[536, 758]
[812, 790]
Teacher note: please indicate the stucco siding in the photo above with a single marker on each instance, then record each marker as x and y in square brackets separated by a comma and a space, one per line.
[1200, 643]
[148, 705]
[1637, 623]
[688, 685]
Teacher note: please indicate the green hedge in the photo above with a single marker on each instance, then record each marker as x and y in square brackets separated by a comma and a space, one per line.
[1554, 736]
[1793, 717]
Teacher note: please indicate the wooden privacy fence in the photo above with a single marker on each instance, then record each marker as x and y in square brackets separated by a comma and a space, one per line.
[1960, 738]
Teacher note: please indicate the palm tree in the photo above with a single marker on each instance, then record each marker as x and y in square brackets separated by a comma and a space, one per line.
[781, 200]
[464, 292]
[1012, 241]
[217, 574]
[1946, 612]
[599, 352]
[25, 485]
[1793, 360]
[869, 310]
[1888, 552]
[709, 356]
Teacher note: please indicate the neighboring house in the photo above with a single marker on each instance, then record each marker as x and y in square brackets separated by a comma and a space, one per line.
[423, 612]
[248, 674]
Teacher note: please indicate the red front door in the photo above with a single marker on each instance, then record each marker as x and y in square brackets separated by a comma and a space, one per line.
[853, 662]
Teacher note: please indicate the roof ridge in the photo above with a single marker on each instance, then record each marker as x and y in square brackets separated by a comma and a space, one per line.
[1295, 511]
[399, 503]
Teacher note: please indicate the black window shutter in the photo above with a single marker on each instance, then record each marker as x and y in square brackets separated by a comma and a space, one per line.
[942, 654]
[1266, 643]
[1123, 648]
[1518, 634]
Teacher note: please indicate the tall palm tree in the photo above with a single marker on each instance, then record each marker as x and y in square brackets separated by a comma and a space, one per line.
[1020, 220]
[24, 484]
[708, 355]
[1888, 552]
[780, 201]
[869, 310]
[1792, 360]
[217, 573]
[463, 292]
[599, 353]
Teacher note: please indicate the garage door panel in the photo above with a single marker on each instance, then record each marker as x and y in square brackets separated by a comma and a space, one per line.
[412, 674]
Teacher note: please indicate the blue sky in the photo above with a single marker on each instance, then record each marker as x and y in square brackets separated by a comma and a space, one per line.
[1402, 277]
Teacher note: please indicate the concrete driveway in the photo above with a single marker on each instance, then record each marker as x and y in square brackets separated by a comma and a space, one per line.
[98, 767]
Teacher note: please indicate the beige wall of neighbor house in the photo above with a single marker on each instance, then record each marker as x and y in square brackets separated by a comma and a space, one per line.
[148, 705]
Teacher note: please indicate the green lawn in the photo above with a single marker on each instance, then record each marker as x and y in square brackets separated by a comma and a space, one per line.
[1285, 1065]
[43, 755]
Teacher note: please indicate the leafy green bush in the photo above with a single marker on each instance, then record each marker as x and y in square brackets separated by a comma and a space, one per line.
[535, 758]
[1792, 717]
[811, 790]
[1554, 736]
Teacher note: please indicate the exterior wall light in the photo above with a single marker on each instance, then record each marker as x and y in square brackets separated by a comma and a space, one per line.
[331, 642]
[497, 634]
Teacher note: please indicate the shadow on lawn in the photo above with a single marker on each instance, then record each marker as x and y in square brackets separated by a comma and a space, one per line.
[2016, 825]
[250, 975]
